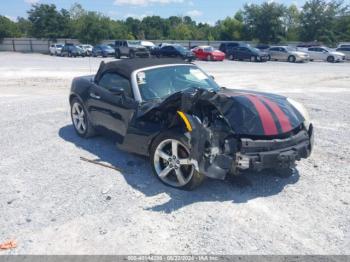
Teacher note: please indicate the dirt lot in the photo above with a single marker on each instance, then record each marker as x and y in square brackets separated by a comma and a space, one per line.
[51, 202]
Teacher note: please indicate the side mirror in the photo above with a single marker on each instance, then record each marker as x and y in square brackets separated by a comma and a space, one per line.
[116, 90]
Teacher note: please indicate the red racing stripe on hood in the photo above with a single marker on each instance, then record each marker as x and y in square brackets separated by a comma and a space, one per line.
[266, 118]
[282, 118]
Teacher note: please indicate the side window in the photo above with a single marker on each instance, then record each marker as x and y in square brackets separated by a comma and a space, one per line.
[312, 49]
[125, 44]
[273, 49]
[110, 80]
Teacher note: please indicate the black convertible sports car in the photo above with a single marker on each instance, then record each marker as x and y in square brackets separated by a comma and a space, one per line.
[190, 127]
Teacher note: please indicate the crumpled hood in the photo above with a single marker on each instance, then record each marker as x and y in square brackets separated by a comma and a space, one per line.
[258, 114]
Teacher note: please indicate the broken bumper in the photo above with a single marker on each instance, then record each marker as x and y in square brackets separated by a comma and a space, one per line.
[277, 153]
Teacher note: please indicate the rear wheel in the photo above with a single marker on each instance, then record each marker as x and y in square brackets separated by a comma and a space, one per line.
[80, 119]
[330, 59]
[230, 57]
[171, 163]
[209, 58]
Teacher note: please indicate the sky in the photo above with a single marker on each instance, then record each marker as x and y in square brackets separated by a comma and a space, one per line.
[208, 11]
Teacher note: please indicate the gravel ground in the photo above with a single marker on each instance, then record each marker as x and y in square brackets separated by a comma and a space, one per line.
[51, 202]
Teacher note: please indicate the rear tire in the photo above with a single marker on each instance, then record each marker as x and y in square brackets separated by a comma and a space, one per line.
[170, 161]
[80, 119]
[231, 57]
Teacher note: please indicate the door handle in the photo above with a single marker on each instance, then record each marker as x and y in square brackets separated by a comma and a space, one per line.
[93, 95]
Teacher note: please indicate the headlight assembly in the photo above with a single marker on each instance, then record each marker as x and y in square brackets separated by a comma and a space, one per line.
[302, 110]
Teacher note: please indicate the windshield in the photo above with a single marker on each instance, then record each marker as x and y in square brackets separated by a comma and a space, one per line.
[59, 46]
[134, 42]
[209, 49]
[289, 48]
[161, 82]
[106, 47]
[180, 48]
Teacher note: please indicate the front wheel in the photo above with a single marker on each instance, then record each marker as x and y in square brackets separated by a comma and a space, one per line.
[80, 119]
[231, 57]
[253, 59]
[171, 164]
[330, 59]
[291, 59]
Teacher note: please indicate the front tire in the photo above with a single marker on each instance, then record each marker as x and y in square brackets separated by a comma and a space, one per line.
[330, 59]
[171, 164]
[80, 119]
[253, 59]
[291, 59]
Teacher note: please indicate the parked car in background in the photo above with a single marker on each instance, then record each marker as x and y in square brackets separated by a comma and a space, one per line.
[87, 49]
[55, 49]
[225, 47]
[309, 44]
[174, 51]
[130, 49]
[287, 53]
[208, 53]
[72, 50]
[247, 53]
[103, 50]
[148, 44]
[323, 53]
[344, 50]
[343, 45]
[263, 47]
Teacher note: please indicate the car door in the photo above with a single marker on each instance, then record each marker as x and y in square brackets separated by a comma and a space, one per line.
[109, 109]
[124, 48]
[200, 53]
[244, 53]
[320, 54]
[273, 51]
[313, 54]
[283, 54]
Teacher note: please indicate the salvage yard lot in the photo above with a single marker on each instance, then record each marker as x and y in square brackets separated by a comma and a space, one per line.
[51, 202]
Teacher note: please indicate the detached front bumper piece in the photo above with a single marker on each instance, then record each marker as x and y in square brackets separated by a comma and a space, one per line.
[276, 153]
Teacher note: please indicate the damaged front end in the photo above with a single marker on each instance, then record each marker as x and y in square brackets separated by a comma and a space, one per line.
[229, 131]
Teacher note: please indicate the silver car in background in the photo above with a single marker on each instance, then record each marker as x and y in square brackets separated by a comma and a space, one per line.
[322, 53]
[287, 53]
[345, 50]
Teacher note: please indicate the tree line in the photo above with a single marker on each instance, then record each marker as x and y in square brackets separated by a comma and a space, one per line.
[327, 21]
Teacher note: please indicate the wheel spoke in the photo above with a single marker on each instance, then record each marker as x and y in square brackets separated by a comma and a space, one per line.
[165, 172]
[174, 145]
[163, 155]
[83, 125]
[180, 177]
[81, 114]
[185, 161]
[79, 124]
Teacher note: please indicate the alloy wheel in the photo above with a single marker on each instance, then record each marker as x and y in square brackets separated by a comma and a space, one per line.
[172, 163]
[79, 118]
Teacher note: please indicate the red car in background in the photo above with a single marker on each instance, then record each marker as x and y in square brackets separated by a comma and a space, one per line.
[208, 53]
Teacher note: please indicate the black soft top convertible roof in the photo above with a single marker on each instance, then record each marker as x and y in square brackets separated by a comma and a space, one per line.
[125, 67]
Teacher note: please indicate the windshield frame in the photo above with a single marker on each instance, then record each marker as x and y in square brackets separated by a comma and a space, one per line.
[135, 86]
